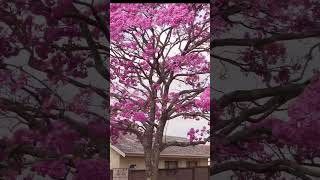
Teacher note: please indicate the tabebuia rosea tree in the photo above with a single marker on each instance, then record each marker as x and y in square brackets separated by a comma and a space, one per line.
[266, 126]
[53, 89]
[159, 67]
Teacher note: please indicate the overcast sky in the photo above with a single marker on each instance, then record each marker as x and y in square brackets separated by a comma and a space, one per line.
[180, 127]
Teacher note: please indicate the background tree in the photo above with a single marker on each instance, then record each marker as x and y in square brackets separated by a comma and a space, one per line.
[267, 129]
[53, 89]
[159, 72]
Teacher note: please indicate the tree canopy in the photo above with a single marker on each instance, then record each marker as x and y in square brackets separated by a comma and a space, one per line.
[268, 129]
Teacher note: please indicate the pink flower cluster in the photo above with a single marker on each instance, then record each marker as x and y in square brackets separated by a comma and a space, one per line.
[194, 62]
[204, 101]
[145, 16]
[299, 133]
[175, 15]
[197, 134]
[54, 169]
[139, 116]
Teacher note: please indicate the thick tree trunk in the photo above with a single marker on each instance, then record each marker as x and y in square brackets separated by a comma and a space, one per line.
[152, 173]
[152, 163]
[152, 148]
[152, 155]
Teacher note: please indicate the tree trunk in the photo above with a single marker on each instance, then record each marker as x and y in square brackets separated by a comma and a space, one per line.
[152, 148]
[152, 173]
[152, 164]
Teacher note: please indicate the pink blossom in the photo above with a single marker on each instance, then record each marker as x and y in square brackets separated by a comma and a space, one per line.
[139, 116]
[204, 101]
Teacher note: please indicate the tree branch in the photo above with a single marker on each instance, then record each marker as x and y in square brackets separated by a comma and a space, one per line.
[261, 42]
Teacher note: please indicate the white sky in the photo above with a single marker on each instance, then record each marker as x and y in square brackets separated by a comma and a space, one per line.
[180, 127]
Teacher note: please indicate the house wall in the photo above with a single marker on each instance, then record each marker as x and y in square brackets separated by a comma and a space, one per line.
[138, 161]
[182, 162]
[204, 162]
[124, 162]
[114, 159]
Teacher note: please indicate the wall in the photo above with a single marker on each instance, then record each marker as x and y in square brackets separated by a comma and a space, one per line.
[114, 159]
[198, 173]
[138, 161]
[204, 162]
[124, 162]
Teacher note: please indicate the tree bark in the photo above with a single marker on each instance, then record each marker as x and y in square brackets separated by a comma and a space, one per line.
[152, 149]
[152, 163]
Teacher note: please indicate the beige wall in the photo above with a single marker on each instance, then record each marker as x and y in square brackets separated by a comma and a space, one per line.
[138, 161]
[182, 162]
[204, 162]
[117, 161]
[114, 159]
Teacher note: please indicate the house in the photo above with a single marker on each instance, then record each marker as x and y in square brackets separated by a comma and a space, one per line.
[128, 153]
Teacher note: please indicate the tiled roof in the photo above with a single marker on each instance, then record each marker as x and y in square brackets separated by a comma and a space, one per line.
[130, 145]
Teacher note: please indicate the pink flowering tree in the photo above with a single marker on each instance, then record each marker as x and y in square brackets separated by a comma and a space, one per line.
[52, 110]
[269, 130]
[159, 71]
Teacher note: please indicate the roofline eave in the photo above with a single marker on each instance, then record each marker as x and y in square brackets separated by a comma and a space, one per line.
[123, 154]
[171, 155]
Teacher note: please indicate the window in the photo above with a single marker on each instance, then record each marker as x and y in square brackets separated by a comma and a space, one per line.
[171, 164]
[192, 163]
[132, 166]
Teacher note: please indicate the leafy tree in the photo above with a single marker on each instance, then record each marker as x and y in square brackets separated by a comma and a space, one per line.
[269, 130]
[159, 72]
